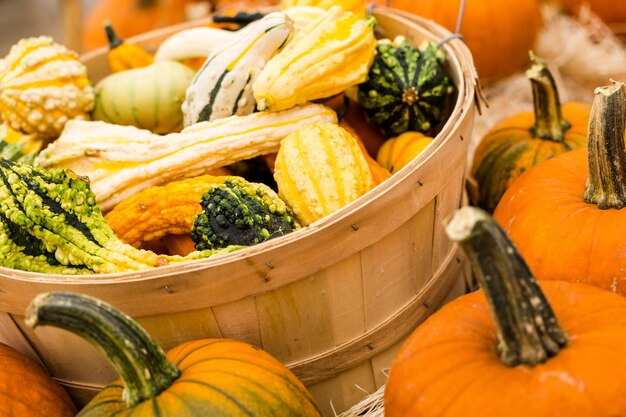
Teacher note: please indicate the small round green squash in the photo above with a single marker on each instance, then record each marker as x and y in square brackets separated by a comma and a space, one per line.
[148, 98]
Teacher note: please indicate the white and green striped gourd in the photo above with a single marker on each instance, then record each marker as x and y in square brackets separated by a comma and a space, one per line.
[223, 86]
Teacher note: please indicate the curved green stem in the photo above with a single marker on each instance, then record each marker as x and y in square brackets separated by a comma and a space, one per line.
[606, 184]
[549, 121]
[528, 331]
[135, 356]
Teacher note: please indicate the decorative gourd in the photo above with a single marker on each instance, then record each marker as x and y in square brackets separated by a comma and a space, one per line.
[379, 173]
[406, 88]
[160, 210]
[564, 214]
[208, 377]
[400, 151]
[194, 42]
[528, 138]
[123, 160]
[148, 97]
[130, 17]
[355, 6]
[329, 55]
[507, 350]
[27, 390]
[302, 16]
[123, 55]
[608, 10]
[223, 86]
[17, 146]
[239, 212]
[319, 169]
[42, 86]
[491, 29]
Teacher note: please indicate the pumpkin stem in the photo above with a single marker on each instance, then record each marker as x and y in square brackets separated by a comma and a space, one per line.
[114, 40]
[528, 332]
[135, 356]
[606, 184]
[549, 121]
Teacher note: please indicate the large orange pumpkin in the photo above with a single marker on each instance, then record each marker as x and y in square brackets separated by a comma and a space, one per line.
[528, 138]
[566, 215]
[499, 33]
[26, 390]
[209, 377]
[506, 350]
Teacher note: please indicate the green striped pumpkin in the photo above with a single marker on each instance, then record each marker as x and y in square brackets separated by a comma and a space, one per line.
[223, 86]
[210, 377]
[148, 98]
[407, 89]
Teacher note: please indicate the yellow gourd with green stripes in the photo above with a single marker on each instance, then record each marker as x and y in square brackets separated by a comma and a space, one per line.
[147, 98]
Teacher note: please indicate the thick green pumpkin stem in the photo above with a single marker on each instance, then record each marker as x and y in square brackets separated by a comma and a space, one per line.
[528, 332]
[112, 38]
[135, 356]
[606, 185]
[549, 121]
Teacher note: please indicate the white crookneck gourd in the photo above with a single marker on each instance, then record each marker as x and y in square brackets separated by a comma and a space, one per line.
[223, 86]
[123, 160]
[193, 43]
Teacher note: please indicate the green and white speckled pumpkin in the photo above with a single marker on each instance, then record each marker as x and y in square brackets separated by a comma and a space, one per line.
[407, 88]
[223, 86]
[147, 98]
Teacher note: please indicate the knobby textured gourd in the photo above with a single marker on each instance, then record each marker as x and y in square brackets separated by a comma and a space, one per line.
[124, 55]
[407, 88]
[527, 138]
[50, 223]
[490, 28]
[319, 169]
[239, 212]
[42, 86]
[514, 348]
[398, 152]
[223, 86]
[208, 377]
[161, 210]
[331, 54]
[123, 160]
[27, 390]
[565, 214]
[148, 98]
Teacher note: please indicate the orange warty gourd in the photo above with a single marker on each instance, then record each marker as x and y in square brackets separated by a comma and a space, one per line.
[514, 349]
[565, 215]
[527, 138]
[26, 390]
[208, 377]
[499, 33]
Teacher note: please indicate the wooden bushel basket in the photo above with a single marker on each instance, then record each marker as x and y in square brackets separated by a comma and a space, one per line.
[333, 301]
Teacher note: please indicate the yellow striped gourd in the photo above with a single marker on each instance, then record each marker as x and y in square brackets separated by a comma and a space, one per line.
[42, 86]
[223, 86]
[331, 54]
[319, 169]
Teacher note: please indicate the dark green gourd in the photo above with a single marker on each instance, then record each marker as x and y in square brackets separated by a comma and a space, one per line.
[407, 88]
[239, 212]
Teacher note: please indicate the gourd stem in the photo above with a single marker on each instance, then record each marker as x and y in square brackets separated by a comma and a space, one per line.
[549, 121]
[606, 184]
[135, 356]
[528, 331]
[112, 38]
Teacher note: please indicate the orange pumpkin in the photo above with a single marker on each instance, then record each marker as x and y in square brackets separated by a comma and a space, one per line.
[506, 350]
[565, 215]
[527, 138]
[499, 33]
[26, 390]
